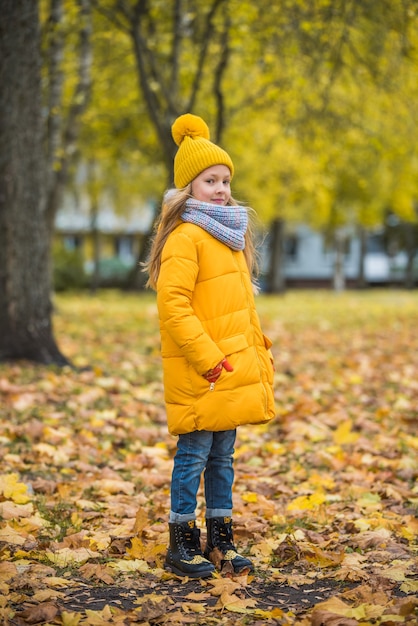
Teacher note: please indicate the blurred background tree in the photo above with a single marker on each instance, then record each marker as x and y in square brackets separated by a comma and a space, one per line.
[44, 89]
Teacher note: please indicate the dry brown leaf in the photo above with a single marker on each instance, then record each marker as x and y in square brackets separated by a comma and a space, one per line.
[326, 618]
[8, 570]
[41, 613]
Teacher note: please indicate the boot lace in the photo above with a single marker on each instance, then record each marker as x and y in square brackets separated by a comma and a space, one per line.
[224, 534]
[189, 542]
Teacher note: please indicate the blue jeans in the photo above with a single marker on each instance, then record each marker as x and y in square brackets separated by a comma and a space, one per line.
[198, 451]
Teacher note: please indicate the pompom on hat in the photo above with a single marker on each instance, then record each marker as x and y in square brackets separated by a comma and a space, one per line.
[196, 152]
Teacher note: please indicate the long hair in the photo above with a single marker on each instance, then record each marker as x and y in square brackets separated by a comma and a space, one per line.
[172, 208]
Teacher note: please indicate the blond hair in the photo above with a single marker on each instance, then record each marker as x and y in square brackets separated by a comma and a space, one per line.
[173, 206]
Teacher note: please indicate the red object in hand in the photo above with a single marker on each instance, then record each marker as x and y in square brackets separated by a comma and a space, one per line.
[227, 365]
[213, 374]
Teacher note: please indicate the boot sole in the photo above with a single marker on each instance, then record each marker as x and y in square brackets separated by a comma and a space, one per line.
[237, 570]
[179, 572]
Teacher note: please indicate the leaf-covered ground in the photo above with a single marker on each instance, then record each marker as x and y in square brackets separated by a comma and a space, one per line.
[326, 496]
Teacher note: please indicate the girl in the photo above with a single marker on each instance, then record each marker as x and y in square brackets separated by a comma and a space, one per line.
[217, 365]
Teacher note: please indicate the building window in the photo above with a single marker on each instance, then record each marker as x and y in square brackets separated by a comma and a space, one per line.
[375, 243]
[72, 242]
[291, 247]
[124, 249]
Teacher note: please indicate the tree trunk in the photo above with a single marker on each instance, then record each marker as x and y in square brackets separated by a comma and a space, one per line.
[25, 277]
[95, 276]
[276, 279]
[63, 133]
[411, 248]
[361, 279]
[138, 278]
[339, 275]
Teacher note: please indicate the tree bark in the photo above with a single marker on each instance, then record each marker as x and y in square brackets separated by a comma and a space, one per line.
[411, 249]
[276, 280]
[63, 133]
[25, 276]
[339, 275]
[94, 225]
[361, 279]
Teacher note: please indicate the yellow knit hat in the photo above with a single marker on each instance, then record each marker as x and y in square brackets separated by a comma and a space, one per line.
[196, 152]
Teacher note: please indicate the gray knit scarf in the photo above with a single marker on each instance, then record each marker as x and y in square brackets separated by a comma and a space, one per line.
[228, 224]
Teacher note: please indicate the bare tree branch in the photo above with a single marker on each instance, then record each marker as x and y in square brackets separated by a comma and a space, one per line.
[56, 80]
[217, 83]
[175, 55]
[79, 103]
[113, 15]
[203, 52]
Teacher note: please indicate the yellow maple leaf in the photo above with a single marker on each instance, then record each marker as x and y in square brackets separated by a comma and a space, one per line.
[56, 581]
[107, 486]
[141, 521]
[344, 435]
[410, 530]
[361, 612]
[222, 585]
[240, 605]
[194, 595]
[411, 441]
[137, 549]
[66, 556]
[42, 595]
[99, 540]
[231, 602]
[250, 497]
[31, 524]
[323, 481]
[136, 565]
[395, 572]
[333, 605]
[352, 568]
[13, 489]
[366, 611]
[153, 597]
[409, 586]
[370, 501]
[323, 558]
[274, 447]
[99, 617]
[309, 502]
[70, 619]
[275, 613]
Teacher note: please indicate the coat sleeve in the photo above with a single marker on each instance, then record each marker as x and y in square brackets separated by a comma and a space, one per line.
[175, 286]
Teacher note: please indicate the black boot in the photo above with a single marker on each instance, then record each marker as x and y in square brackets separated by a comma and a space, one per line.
[219, 535]
[184, 556]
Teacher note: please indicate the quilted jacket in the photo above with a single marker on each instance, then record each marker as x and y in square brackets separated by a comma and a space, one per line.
[207, 311]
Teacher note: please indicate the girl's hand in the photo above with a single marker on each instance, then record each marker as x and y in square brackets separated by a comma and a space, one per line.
[213, 374]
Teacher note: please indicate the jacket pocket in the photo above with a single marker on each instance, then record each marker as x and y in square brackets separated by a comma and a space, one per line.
[230, 345]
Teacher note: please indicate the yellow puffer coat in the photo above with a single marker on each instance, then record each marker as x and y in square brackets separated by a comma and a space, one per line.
[207, 311]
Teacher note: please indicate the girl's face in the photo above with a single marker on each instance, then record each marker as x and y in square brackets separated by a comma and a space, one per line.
[213, 185]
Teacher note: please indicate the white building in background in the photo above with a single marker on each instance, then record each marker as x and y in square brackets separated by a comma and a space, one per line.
[308, 260]
[119, 235]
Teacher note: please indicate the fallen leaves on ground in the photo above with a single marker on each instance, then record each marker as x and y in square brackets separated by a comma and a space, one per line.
[325, 497]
